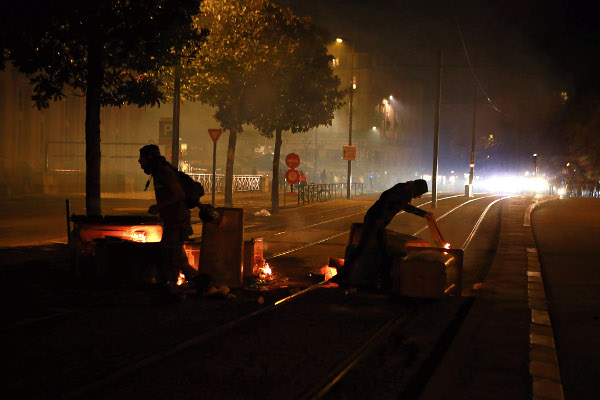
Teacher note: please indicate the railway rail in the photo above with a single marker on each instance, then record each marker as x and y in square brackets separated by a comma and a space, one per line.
[277, 311]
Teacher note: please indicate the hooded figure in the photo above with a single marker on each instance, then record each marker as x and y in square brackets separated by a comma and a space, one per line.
[170, 205]
[368, 262]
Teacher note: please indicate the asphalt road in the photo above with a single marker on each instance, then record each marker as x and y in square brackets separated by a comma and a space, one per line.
[63, 333]
[567, 233]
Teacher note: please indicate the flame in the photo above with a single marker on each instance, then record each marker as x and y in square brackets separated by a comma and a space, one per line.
[265, 271]
[447, 246]
[139, 236]
[181, 279]
[329, 272]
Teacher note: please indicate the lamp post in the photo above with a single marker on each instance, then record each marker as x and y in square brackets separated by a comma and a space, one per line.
[351, 96]
[472, 165]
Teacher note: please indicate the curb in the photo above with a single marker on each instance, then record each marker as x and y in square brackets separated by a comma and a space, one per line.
[543, 362]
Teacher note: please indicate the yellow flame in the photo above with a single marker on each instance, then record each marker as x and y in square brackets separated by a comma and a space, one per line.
[180, 279]
[447, 246]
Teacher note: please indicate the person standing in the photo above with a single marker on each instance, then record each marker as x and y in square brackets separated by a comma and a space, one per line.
[175, 215]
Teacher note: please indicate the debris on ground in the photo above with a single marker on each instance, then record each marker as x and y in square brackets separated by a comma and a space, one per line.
[262, 213]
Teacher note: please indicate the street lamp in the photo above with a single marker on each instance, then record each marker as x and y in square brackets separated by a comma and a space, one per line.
[352, 89]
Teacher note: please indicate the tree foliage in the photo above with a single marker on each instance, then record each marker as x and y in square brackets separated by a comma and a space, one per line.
[299, 91]
[107, 51]
[264, 66]
[582, 130]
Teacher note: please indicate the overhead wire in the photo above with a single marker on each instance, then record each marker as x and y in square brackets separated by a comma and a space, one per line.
[475, 77]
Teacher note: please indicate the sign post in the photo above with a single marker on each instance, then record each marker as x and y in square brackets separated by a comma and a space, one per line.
[214, 135]
[292, 176]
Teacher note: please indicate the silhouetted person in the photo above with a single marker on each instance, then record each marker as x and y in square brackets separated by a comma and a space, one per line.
[175, 215]
[369, 261]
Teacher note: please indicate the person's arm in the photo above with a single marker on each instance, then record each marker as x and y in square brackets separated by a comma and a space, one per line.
[177, 195]
[409, 208]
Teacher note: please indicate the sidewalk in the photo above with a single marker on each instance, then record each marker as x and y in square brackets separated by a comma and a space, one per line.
[505, 348]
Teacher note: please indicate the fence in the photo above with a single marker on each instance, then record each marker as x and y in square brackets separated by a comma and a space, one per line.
[241, 183]
[326, 191]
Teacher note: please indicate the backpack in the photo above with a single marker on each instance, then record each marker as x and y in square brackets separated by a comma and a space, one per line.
[193, 190]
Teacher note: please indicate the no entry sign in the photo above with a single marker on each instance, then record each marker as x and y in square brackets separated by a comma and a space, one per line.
[292, 176]
[214, 134]
[292, 160]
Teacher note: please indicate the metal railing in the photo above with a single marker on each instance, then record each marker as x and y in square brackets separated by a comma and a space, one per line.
[326, 191]
[241, 183]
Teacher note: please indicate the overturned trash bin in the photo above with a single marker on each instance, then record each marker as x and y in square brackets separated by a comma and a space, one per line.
[428, 272]
[416, 268]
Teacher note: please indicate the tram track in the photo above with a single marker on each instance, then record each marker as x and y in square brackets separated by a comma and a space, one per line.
[315, 391]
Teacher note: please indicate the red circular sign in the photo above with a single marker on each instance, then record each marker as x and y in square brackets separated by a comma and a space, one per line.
[292, 160]
[292, 176]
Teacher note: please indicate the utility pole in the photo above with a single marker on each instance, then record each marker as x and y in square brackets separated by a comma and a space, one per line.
[472, 171]
[316, 153]
[176, 112]
[352, 86]
[436, 133]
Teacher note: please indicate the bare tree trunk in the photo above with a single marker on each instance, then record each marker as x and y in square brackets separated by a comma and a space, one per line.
[229, 168]
[176, 114]
[275, 183]
[92, 131]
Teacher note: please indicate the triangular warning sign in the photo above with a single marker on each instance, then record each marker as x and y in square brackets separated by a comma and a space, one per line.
[214, 134]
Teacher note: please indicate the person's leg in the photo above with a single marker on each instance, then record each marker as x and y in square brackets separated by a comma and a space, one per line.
[170, 252]
[175, 258]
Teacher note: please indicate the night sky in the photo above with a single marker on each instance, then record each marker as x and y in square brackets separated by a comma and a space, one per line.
[523, 53]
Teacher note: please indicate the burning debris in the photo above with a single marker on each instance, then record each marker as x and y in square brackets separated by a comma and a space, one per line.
[331, 269]
[263, 276]
[181, 279]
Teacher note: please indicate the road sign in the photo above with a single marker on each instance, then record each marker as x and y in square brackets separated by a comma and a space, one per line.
[214, 134]
[349, 153]
[292, 160]
[292, 176]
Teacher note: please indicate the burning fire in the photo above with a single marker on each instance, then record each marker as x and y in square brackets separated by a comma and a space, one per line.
[329, 272]
[447, 246]
[265, 272]
[181, 279]
[139, 236]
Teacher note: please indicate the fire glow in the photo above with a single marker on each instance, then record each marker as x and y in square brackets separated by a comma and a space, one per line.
[328, 272]
[181, 279]
[134, 233]
[265, 272]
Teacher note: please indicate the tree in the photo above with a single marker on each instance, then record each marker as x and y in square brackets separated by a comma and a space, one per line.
[299, 91]
[108, 51]
[581, 126]
[240, 47]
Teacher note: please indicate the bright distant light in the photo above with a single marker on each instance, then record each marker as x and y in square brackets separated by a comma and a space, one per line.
[374, 128]
[561, 191]
[535, 154]
[515, 184]
[339, 40]
[391, 97]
